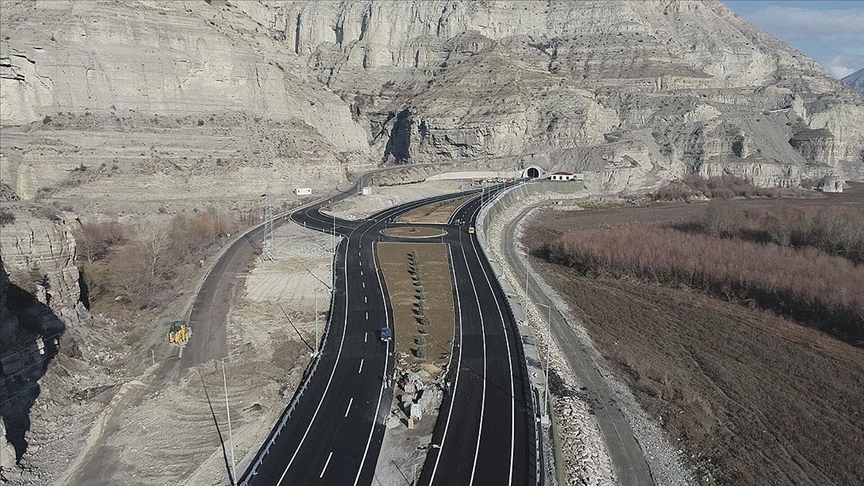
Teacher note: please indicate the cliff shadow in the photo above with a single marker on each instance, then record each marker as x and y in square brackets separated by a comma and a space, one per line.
[30, 334]
[399, 144]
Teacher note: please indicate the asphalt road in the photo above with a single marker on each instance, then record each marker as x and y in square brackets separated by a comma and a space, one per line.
[485, 427]
[624, 452]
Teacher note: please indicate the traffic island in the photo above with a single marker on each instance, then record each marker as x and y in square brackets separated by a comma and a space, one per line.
[419, 284]
[414, 232]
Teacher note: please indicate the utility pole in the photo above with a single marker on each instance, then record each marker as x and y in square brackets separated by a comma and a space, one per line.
[332, 268]
[316, 325]
[545, 416]
[228, 411]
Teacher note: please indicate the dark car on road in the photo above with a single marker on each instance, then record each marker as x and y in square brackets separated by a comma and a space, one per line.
[385, 334]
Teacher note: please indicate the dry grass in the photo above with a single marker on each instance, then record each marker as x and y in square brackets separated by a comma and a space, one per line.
[414, 232]
[433, 261]
[438, 213]
[756, 399]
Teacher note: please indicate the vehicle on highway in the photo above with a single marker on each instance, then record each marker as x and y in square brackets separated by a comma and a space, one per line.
[470, 230]
[385, 334]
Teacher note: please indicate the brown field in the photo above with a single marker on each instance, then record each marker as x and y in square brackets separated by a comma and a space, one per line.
[438, 212]
[432, 258]
[552, 224]
[754, 398]
[414, 232]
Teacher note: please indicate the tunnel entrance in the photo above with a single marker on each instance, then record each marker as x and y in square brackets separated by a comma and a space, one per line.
[532, 172]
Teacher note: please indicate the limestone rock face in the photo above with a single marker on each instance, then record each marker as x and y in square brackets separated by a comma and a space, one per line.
[157, 57]
[500, 78]
[32, 245]
[157, 70]
[688, 85]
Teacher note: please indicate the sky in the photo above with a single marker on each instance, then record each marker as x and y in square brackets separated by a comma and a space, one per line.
[830, 32]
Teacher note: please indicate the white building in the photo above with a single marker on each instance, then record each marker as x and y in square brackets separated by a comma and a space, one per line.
[562, 176]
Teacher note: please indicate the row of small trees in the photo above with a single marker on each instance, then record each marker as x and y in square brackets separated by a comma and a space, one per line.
[419, 307]
[805, 284]
[715, 187]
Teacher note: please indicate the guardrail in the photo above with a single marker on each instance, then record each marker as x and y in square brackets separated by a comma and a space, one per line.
[528, 389]
[252, 470]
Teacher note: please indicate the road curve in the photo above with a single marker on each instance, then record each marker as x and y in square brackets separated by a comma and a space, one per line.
[334, 431]
[485, 428]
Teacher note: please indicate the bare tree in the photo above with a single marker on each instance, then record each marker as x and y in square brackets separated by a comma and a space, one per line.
[155, 238]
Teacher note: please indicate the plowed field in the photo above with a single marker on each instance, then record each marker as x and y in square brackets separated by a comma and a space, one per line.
[753, 398]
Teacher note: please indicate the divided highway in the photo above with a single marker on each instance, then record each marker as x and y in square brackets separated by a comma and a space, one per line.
[333, 435]
[485, 428]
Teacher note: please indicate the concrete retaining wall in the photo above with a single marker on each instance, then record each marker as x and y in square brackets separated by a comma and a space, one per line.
[509, 197]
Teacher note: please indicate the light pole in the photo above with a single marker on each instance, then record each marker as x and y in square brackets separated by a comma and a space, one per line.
[546, 372]
[228, 411]
[316, 326]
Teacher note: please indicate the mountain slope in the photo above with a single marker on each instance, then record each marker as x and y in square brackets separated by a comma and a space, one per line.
[168, 96]
[856, 80]
[641, 90]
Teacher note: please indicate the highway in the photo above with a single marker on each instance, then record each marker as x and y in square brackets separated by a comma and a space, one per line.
[485, 428]
[333, 435]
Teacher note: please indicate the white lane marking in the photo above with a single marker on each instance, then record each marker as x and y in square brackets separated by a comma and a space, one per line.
[483, 395]
[359, 254]
[329, 380]
[339, 353]
[364, 285]
[361, 366]
[325, 465]
[349, 406]
[458, 366]
[365, 300]
[366, 336]
[386, 362]
[367, 315]
[360, 263]
[509, 362]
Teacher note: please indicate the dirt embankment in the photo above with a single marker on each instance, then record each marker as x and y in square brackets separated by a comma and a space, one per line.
[754, 398]
[155, 432]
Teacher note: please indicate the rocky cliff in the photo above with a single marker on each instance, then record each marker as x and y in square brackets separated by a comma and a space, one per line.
[160, 96]
[170, 99]
[690, 84]
[40, 309]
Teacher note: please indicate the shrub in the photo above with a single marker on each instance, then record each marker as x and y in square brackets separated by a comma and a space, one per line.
[93, 240]
[807, 285]
[716, 187]
[834, 229]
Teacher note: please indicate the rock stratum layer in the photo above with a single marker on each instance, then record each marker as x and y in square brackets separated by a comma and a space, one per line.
[634, 92]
